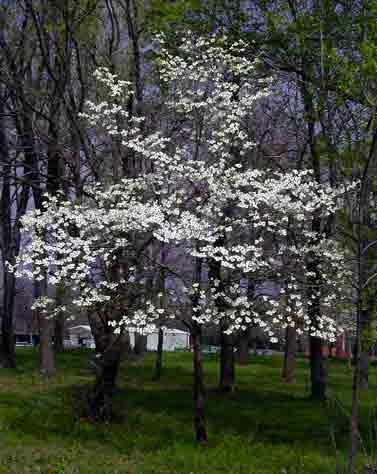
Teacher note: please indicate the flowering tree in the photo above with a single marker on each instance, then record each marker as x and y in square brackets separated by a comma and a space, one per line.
[197, 195]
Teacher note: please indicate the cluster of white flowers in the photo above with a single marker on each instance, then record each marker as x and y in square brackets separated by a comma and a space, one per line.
[199, 196]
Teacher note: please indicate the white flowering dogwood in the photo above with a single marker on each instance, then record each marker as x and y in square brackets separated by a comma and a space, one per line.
[197, 194]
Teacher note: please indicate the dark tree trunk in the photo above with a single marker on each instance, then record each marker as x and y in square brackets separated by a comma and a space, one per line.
[289, 367]
[354, 429]
[47, 358]
[7, 346]
[107, 368]
[365, 346]
[59, 321]
[10, 241]
[339, 346]
[318, 373]
[159, 354]
[227, 369]
[46, 349]
[59, 333]
[364, 369]
[199, 390]
[109, 350]
[140, 344]
[243, 348]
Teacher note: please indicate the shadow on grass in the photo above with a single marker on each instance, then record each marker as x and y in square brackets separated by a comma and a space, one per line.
[157, 415]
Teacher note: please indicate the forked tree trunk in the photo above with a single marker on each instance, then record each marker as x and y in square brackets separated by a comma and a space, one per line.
[289, 367]
[109, 350]
[199, 390]
[159, 354]
[227, 369]
[107, 368]
[243, 348]
[318, 373]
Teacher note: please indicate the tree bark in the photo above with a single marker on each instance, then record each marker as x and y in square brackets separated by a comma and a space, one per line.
[227, 369]
[59, 333]
[365, 345]
[354, 429]
[318, 373]
[109, 350]
[339, 346]
[289, 367]
[59, 321]
[7, 346]
[243, 348]
[159, 354]
[199, 390]
[10, 244]
[46, 350]
[47, 359]
[317, 368]
[364, 369]
[101, 400]
[140, 344]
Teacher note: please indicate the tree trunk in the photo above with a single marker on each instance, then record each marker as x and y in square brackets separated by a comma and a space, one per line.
[59, 324]
[160, 349]
[101, 400]
[318, 374]
[227, 370]
[364, 369]
[7, 346]
[140, 344]
[289, 367]
[199, 390]
[109, 350]
[59, 321]
[47, 358]
[354, 432]
[354, 429]
[243, 348]
[365, 345]
[46, 348]
[339, 346]
[10, 243]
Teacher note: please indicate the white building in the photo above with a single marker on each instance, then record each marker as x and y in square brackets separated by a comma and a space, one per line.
[80, 336]
[174, 339]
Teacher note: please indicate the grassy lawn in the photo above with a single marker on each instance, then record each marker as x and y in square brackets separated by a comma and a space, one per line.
[267, 428]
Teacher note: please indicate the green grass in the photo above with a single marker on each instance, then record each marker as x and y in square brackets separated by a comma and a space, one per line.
[267, 428]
